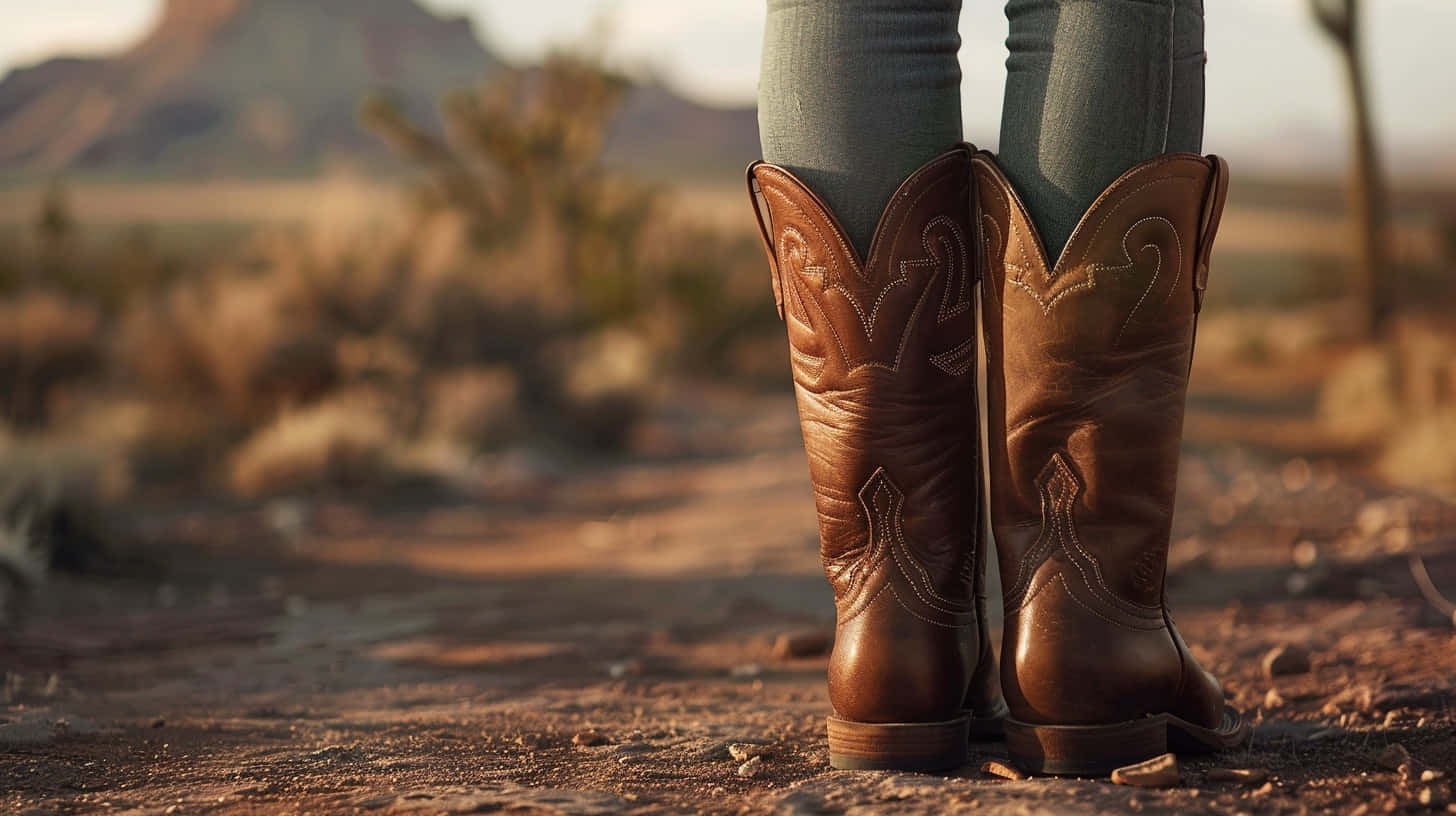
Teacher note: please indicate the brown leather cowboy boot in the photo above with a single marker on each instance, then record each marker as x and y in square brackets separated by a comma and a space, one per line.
[883, 353]
[1088, 364]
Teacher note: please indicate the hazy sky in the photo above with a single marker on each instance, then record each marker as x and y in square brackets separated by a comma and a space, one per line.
[1272, 80]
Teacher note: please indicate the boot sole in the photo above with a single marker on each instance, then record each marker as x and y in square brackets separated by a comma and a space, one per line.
[940, 746]
[1098, 750]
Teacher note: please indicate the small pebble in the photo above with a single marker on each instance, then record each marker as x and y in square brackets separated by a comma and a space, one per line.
[1273, 699]
[1434, 796]
[1285, 660]
[1393, 756]
[753, 767]
[589, 738]
[803, 643]
[625, 668]
[744, 751]
[746, 670]
[1306, 554]
[1158, 772]
[996, 767]
[1243, 776]
[1296, 475]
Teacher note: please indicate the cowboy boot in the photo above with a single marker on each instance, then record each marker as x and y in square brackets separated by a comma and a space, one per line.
[1088, 363]
[883, 353]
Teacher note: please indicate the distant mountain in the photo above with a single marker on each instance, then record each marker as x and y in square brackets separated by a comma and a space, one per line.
[260, 87]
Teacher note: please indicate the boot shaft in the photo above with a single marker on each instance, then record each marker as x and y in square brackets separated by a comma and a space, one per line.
[1092, 353]
[1089, 359]
[883, 358]
[883, 352]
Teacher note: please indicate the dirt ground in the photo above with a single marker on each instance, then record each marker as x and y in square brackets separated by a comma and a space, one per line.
[592, 639]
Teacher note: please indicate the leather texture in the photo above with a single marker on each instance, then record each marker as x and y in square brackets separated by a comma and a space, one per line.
[883, 353]
[1089, 360]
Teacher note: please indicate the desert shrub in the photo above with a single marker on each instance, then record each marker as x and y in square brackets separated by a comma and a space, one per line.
[1422, 453]
[528, 292]
[1399, 397]
[714, 290]
[521, 167]
[475, 408]
[346, 441]
[1261, 335]
[604, 381]
[244, 345]
[46, 341]
[1360, 400]
[51, 495]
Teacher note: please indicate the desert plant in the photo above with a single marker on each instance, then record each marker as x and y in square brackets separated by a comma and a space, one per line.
[232, 342]
[348, 440]
[51, 495]
[474, 408]
[521, 157]
[46, 340]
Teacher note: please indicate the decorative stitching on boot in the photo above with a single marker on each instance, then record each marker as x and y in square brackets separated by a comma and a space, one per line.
[884, 505]
[1131, 264]
[947, 256]
[956, 298]
[958, 360]
[1053, 271]
[831, 278]
[794, 249]
[1060, 487]
[907, 608]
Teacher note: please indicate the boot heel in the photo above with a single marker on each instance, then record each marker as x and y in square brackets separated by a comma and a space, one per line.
[1084, 750]
[857, 746]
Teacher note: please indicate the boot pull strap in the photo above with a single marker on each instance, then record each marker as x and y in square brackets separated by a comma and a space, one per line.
[978, 257]
[1212, 213]
[759, 202]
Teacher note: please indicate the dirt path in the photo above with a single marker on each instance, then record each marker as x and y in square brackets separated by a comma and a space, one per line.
[595, 643]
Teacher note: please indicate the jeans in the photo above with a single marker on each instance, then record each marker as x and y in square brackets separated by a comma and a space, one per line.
[856, 94]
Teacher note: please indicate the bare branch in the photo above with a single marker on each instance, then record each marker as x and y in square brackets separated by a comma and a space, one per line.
[1336, 17]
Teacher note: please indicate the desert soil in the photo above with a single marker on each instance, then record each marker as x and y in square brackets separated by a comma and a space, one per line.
[597, 637]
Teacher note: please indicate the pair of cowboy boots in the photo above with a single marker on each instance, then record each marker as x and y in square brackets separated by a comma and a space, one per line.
[1088, 362]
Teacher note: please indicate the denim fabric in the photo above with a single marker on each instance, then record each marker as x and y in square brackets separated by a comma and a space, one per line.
[856, 94]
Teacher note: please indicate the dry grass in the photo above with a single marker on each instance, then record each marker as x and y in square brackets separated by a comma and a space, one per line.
[1400, 398]
[475, 409]
[347, 441]
[51, 493]
[1422, 453]
[46, 340]
[333, 201]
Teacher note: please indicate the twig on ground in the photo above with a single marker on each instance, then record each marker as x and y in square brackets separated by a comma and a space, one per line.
[1428, 588]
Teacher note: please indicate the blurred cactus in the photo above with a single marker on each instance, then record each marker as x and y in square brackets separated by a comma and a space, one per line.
[1340, 20]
